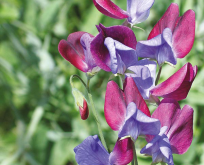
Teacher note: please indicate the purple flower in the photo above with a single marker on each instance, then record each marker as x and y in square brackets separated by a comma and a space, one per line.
[127, 111]
[176, 137]
[113, 48]
[91, 151]
[76, 50]
[144, 76]
[172, 37]
[137, 10]
[178, 85]
[159, 148]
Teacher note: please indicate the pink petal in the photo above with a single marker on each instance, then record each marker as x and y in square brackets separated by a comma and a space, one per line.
[168, 20]
[178, 85]
[84, 111]
[72, 51]
[184, 34]
[181, 133]
[119, 33]
[100, 52]
[114, 108]
[179, 123]
[132, 94]
[166, 112]
[110, 9]
[122, 153]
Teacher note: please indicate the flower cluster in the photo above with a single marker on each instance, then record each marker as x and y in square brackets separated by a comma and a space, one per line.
[169, 129]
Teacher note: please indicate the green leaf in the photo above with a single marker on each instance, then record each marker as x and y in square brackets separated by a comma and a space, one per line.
[8, 12]
[48, 14]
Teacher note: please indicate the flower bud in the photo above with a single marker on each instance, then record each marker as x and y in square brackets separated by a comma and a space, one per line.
[84, 111]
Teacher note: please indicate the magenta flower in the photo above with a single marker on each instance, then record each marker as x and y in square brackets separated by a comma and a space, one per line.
[137, 10]
[126, 111]
[176, 133]
[91, 151]
[178, 85]
[76, 50]
[172, 37]
[113, 48]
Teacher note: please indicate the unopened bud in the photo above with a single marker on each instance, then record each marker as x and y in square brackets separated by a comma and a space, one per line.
[84, 111]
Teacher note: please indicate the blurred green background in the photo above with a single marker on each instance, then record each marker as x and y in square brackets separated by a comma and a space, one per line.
[39, 122]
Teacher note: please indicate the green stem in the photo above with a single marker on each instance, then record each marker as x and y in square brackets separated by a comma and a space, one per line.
[97, 121]
[158, 75]
[76, 76]
[134, 161]
[95, 115]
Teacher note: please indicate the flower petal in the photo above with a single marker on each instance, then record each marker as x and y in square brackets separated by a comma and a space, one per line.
[166, 112]
[181, 132]
[121, 55]
[91, 151]
[159, 48]
[179, 123]
[168, 20]
[144, 76]
[131, 126]
[119, 33]
[178, 85]
[184, 34]
[85, 42]
[132, 94]
[147, 125]
[114, 108]
[137, 123]
[72, 51]
[138, 10]
[110, 9]
[159, 148]
[122, 153]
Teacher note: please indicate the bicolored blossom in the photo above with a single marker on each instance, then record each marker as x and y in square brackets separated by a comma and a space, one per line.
[178, 85]
[91, 151]
[144, 76]
[76, 50]
[176, 133]
[137, 10]
[126, 111]
[84, 111]
[113, 49]
[171, 38]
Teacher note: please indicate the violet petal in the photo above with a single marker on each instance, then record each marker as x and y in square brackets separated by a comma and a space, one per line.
[138, 10]
[91, 151]
[121, 56]
[144, 76]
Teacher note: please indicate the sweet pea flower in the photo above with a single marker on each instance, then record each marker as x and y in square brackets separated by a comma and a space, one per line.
[171, 38]
[176, 133]
[178, 85]
[144, 76]
[126, 111]
[113, 49]
[137, 10]
[76, 50]
[91, 151]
